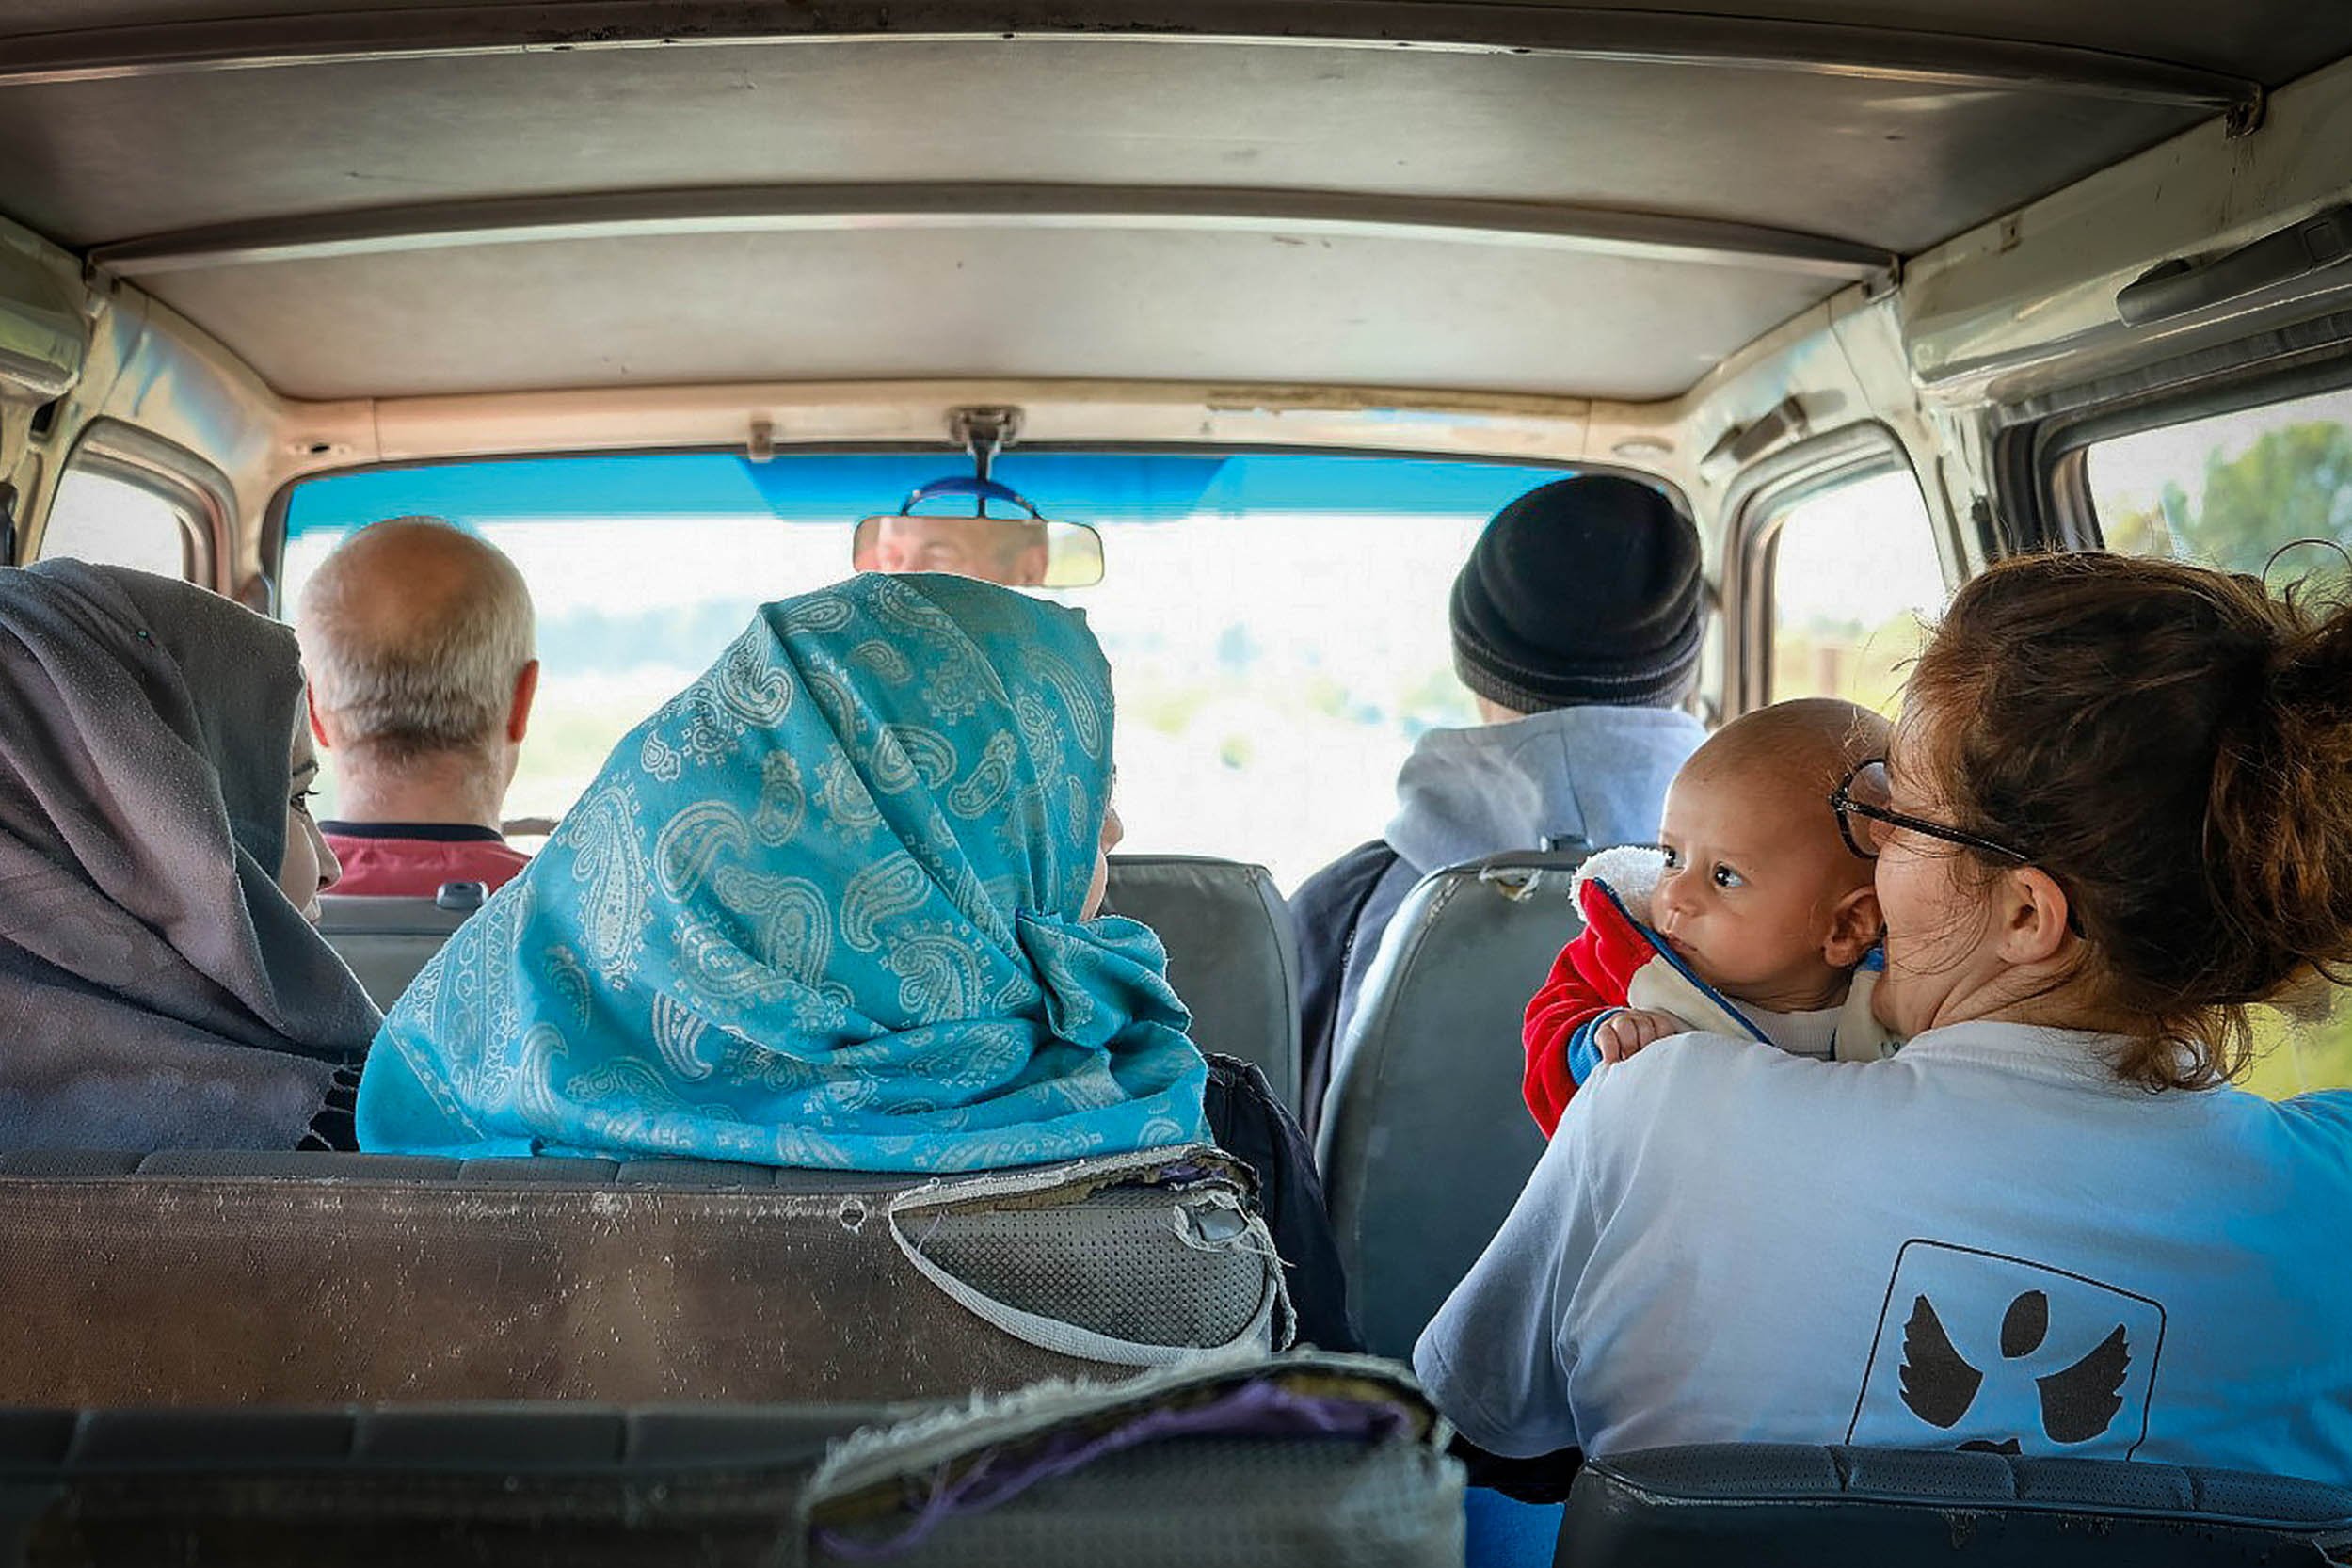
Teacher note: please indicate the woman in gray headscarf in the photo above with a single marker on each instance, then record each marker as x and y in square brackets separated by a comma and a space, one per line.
[161, 985]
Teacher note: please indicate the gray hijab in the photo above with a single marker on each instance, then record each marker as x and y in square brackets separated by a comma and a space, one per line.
[157, 990]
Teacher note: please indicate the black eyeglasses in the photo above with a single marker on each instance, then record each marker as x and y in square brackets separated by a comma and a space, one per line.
[1866, 793]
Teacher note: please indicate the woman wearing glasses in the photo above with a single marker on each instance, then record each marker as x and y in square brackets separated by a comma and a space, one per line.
[2116, 811]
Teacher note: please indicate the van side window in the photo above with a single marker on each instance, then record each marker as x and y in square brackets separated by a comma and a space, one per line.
[2232, 490]
[97, 517]
[2235, 490]
[1854, 581]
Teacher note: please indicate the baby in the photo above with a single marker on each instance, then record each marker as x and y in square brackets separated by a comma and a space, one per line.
[1753, 918]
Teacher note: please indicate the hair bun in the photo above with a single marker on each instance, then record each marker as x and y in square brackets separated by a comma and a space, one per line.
[2279, 824]
[2312, 664]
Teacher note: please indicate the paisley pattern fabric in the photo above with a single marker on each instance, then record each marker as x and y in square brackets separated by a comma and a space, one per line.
[821, 909]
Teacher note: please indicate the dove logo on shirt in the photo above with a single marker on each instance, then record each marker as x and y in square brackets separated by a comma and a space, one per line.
[1979, 1351]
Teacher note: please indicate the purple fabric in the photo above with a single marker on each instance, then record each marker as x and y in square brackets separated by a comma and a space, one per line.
[1260, 1408]
[156, 989]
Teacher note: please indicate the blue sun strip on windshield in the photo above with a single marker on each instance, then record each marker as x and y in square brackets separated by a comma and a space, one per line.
[839, 488]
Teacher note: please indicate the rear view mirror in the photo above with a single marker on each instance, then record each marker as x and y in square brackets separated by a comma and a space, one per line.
[1025, 551]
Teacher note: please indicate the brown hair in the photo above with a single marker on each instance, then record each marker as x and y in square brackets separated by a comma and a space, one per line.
[2174, 746]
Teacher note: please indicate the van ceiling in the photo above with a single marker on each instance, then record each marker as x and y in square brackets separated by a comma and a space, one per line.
[1605, 201]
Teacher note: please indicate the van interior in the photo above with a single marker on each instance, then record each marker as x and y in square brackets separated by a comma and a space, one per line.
[1264, 310]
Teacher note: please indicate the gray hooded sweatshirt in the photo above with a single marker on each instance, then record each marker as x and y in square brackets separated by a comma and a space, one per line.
[1571, 777]
[1590, 775]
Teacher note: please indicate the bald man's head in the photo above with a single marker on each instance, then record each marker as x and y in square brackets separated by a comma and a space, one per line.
[415, 633]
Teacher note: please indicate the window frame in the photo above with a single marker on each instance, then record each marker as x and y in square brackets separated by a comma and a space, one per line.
[276, 536]
[1756, 509]
[198, 493]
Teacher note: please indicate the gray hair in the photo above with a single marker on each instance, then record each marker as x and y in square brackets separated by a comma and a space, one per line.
[408, 663]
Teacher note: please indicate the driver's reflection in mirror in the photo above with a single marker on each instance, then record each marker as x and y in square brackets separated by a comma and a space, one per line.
[1014, 552]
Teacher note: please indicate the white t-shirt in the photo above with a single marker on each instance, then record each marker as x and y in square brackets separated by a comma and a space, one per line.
[1986, 1239]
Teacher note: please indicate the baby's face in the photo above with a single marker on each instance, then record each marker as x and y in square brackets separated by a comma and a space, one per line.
[1755, 883]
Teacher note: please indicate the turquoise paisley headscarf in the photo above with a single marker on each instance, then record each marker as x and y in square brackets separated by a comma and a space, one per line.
[821, 909]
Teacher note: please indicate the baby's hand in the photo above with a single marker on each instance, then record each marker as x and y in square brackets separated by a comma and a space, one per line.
[1623, 1034]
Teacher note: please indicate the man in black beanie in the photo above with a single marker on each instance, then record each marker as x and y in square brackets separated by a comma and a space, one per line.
[1577, 624]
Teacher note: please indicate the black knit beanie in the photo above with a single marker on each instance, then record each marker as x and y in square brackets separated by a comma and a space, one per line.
[1584, 591]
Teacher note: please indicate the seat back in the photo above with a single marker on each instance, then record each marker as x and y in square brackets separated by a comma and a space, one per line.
[388, 940]
[1425, 1142]
[519, 1485]
[1232, 956]
[193, 1278]
[1232, 953]
[1213, 1465]
[1701, 1507]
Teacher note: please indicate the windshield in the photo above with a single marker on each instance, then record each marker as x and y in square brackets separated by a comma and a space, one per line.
[1275, 622]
